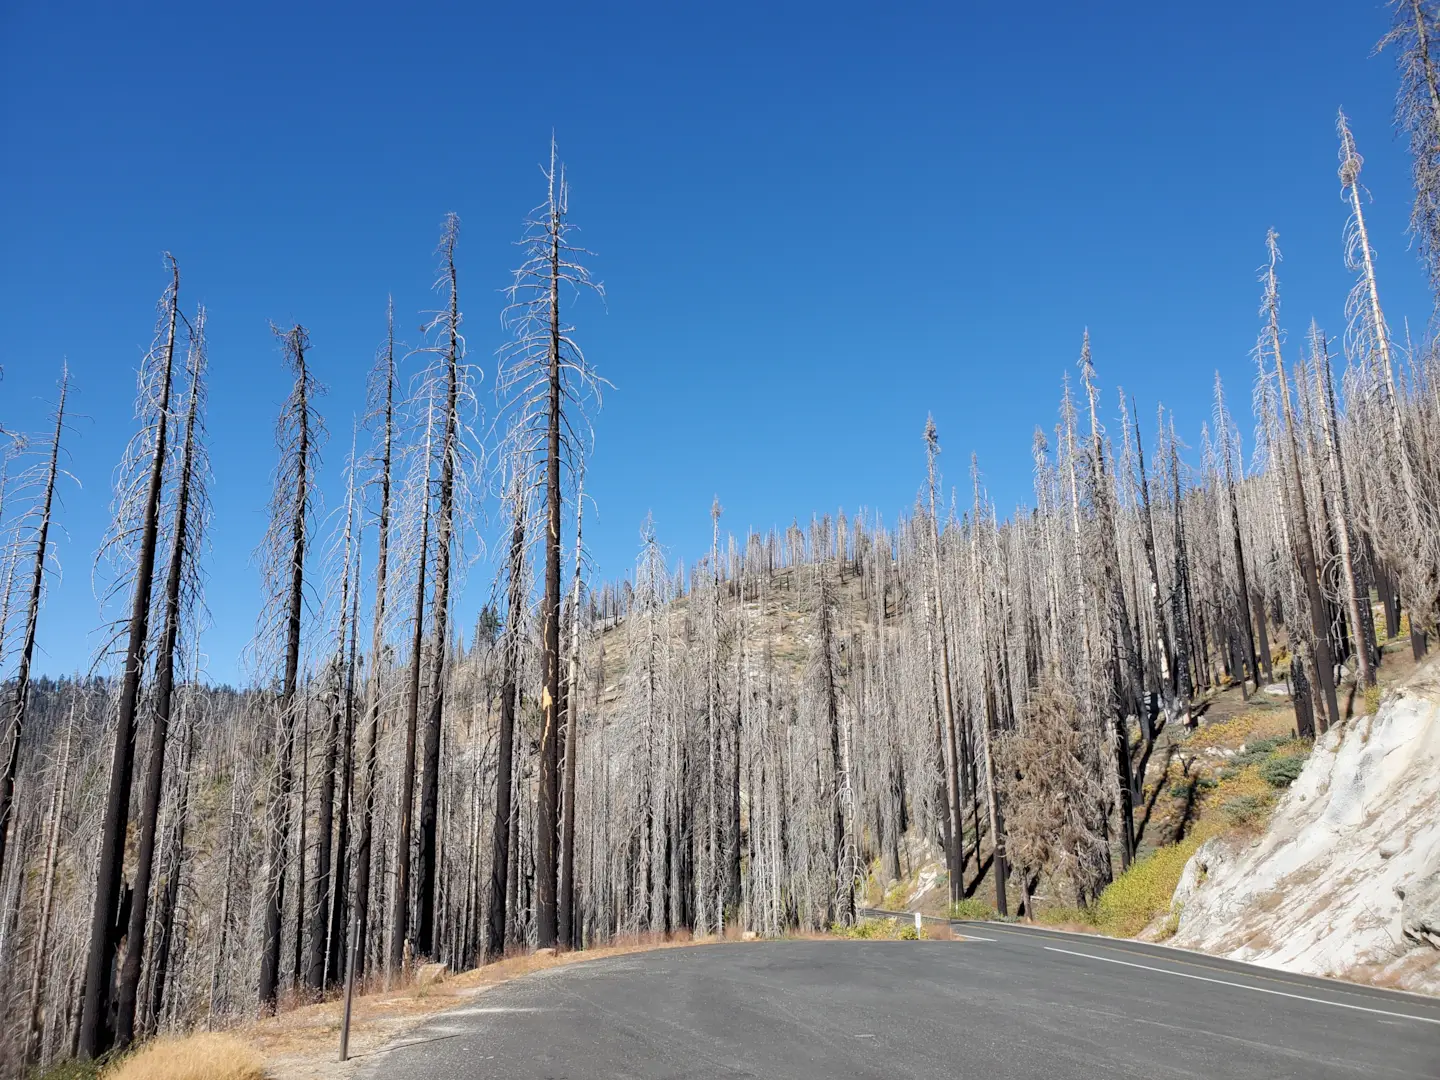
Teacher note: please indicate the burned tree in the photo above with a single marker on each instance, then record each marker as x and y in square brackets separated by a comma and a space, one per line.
[189, 510]
[546, 381]
[133, 541]
[298, 434]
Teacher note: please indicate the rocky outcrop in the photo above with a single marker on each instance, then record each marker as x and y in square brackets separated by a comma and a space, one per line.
[1346, 879]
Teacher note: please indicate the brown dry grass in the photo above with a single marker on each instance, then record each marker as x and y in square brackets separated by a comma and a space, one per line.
[206, 1055]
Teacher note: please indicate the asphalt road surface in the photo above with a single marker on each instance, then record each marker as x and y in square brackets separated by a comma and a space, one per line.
[1005, 1002]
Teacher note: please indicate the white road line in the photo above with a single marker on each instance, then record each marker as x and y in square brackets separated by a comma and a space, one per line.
[972, 937]
[1246, 986]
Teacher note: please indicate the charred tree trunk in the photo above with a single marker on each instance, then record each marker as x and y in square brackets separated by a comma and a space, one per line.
[97, 1022]
[449, 323]
[568, 926]
[20, 698]
[400, 902]
[182, 548]
[550, 616]
[501, 854]
[953, 794]
[360, 928]
[297, 342]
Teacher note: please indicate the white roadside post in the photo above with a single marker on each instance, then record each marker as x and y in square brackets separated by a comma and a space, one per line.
[918, 924]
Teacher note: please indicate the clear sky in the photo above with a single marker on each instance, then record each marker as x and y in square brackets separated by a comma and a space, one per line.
[815, 224]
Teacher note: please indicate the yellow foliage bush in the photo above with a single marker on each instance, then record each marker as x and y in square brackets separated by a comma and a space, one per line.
[202, 1056]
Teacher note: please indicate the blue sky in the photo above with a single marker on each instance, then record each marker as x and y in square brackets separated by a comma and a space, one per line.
[815, 224]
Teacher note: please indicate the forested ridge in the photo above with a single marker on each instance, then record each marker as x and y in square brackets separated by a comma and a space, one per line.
[740, 739]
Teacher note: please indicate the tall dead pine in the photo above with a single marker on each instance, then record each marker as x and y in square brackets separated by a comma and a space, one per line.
[297, 434]
[19, 697]
[545, 379]
[138, 497]
[185, 536]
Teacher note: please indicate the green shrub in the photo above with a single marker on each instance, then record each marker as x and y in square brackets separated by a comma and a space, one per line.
[972, 909]
[1257, 750]
[908, 933]
[1244, 809]
[1134, 899]
[1282, 770]
[866, 929]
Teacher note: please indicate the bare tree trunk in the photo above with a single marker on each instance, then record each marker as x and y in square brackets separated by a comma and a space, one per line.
[169, 899]
[1301, 536]
[1247, 617]
[400, 903]
[297, 470]
[97, 1030]
[1355, 603]
[182, 549]
[35, 1015]
[336, 962]
[364, 843]
[20, 700]
[502, 879]
[568, 922]
[952, 747]
[449, 323]
[550, 614]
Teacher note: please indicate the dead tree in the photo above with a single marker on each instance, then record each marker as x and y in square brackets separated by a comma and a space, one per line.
[382, 398]
[1228, 451]
[545, 379]
[140, 491]
[186, 533]
[1417, 114]
[953, 794]
[501, 880]
[400, 900]
[568, 924]
[455, 378]
[1301, 538]
[1357, 603]
[326, 887]
[20, 695]
[298, 433]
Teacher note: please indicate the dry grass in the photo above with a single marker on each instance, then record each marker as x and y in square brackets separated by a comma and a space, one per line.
[1232, 734]
[206, 1055]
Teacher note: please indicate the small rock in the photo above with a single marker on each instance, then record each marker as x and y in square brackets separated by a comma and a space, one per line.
[1388, 849]
[1279, 689]
[429, 974]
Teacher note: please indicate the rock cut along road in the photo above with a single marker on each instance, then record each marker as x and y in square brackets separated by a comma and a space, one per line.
[1005, 1002]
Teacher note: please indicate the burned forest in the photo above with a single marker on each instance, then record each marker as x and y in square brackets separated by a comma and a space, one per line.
[737, 740]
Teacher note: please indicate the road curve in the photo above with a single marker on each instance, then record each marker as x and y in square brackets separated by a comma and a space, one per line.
[1005, 1002]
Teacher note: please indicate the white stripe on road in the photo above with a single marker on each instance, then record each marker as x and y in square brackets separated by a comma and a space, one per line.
[1246, 986]
[972, 937]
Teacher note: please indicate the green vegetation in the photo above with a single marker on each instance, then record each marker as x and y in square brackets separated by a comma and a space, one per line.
[1372, 700]
[867, 929]
[977, 910]
[1141, 894]
[1282, 770]
[878, 930]
[1245, 809]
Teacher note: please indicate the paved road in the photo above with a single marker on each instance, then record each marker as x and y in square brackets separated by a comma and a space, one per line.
[1005, 1003]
